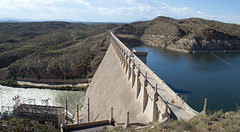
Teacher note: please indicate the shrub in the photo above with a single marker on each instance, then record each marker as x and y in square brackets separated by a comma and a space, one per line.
[14, 84]
[13, 78]
[83, 76]
[4, 83]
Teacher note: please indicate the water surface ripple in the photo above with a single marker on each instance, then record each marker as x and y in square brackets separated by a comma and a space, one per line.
[199, 76]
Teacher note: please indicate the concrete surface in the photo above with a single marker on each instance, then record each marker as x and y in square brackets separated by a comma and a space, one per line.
[117, 84]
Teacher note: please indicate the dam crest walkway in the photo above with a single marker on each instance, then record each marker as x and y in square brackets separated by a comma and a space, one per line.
[125, 84]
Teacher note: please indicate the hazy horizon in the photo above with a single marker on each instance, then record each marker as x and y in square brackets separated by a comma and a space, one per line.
[119, 11]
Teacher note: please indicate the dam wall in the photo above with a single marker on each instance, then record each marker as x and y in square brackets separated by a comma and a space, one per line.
[125, 83]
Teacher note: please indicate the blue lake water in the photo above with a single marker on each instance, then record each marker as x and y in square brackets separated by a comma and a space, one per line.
[199, 76]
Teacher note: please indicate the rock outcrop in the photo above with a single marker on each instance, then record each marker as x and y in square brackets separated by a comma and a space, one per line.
[187, 35]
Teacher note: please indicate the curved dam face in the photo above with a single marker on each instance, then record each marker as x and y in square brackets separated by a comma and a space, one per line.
[123, 82]
[110, 88]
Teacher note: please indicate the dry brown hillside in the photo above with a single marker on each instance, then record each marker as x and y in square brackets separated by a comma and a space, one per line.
[188, 35]
[52, 50]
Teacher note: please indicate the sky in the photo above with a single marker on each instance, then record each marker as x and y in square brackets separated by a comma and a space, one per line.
[120, 10]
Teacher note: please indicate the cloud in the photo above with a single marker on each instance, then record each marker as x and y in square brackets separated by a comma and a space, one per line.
[19, 4]
[83, 2]
[227, 19]
[105, 11]
[98, 10]
[14, 4]
[163, 9]
[185, 11]
[130, 1]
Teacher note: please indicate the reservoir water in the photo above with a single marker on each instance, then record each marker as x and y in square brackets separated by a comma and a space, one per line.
[199, 76]
[28, 96]
[195, 76]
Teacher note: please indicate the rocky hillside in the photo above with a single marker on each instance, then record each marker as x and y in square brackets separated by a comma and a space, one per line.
[187, 35]
[61, 50]
[52, 50]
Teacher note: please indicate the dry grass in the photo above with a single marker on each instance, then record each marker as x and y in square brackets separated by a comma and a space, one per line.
[216, 122]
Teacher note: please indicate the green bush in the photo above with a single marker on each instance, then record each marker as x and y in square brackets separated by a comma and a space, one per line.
[83, 76]
[14, 84]
[4, 83]
[13, 78]
[11, 83]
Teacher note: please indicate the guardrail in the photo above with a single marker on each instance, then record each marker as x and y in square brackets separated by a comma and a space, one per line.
[125, 54]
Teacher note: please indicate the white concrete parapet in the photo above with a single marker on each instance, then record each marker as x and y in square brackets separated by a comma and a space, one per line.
[130, 68]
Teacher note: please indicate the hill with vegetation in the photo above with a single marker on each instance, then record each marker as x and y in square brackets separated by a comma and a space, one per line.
[52, 50]
[61, 50]
[187, 35]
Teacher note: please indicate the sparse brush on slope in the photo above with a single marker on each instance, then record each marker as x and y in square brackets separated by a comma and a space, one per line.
[51, 50]
[216, 122]
[188, 35]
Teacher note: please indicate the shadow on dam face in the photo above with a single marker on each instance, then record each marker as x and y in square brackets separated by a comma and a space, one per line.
[112, 87]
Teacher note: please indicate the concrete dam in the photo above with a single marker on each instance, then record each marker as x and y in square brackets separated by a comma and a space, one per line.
[124, 85]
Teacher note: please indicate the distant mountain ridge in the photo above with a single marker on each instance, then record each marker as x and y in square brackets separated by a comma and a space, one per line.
[187, 35]
[16, 20]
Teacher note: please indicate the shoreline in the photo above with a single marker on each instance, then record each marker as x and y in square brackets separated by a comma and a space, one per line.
[50, 85]
[54, 81]
[63, 87]
[187, 51]
[216, 51]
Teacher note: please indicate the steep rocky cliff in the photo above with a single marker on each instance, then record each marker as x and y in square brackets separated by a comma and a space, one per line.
[187, 35]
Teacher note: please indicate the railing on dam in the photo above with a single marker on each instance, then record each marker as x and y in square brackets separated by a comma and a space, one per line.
[164, 103]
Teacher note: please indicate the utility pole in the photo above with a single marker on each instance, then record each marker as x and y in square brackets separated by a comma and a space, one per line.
[77, 115]
[88, 111]
[205, 106]
[66, 112]
[127, 124]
